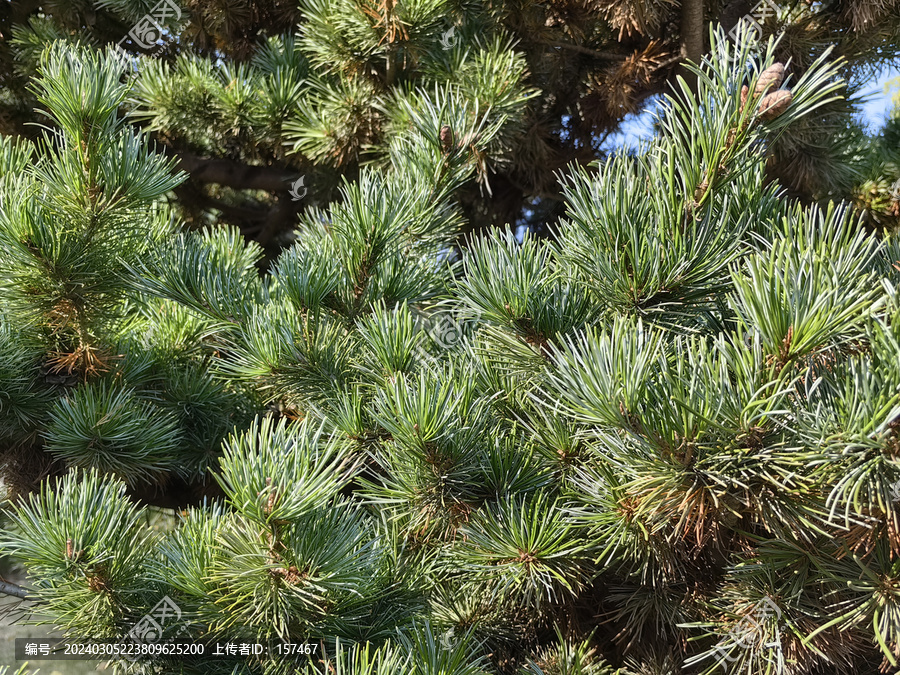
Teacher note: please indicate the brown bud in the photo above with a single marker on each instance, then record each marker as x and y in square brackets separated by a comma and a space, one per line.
[772, 105]
[70, 548]
[701, 190]
[745, 92]
[446, 138]
[771, 78]
[270, 500]
[268, 484]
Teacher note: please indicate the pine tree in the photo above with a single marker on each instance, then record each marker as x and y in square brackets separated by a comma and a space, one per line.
[252, 95]
[664, 441]
[877, 189]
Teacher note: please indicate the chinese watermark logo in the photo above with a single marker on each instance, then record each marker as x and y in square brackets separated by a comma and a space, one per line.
[449, 39]
[152, 625]
[149, 28]
[895, 189]
[895, 491]
[752, 23]
[446, 331]
[447, 639]
[298, 189]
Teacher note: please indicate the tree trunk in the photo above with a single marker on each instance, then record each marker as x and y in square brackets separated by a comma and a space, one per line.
[692, 34]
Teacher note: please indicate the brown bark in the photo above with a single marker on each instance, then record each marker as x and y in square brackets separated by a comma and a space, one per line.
[262, 223]
[602, 56]
[693, 28]
[232, 173]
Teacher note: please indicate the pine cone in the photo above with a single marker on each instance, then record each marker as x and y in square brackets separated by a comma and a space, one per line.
[446, 138]
[775, 103]
[771, 78]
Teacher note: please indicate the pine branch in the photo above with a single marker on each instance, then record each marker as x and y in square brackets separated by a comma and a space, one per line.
[232, 173]
[603, 56]
[14, 590]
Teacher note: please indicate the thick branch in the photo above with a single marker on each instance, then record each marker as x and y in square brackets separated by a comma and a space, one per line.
[232, 173]
[692, 29]
[280, 218]
[250, 214]
[604, 56]
[12, 589]
[262, 222]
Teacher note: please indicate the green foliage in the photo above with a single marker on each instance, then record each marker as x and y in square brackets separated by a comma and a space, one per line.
[214, 274]
[23, 404]
[671, 432]
[14, 155]
[567, 658]
[526, 549]
[275, 473]
[85, 544]
[419, 652]
[108, 428]
[321, 572]
[334, 124]
[22, 670]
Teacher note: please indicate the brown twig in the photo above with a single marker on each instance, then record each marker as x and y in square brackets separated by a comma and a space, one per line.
[15, 590]
[605, 56]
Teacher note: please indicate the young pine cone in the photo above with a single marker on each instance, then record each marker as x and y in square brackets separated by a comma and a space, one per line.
[771, 78]
[446, 138]
[772, 105]
[745, 93]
